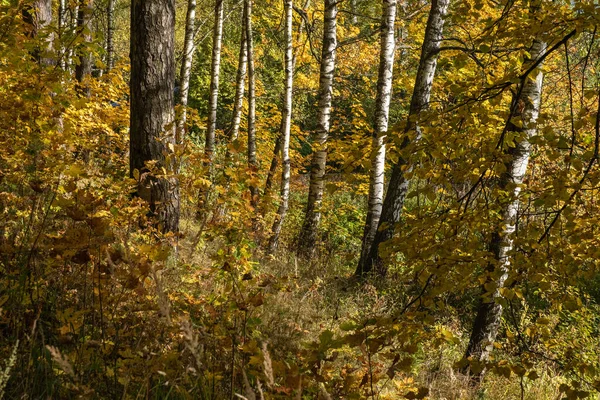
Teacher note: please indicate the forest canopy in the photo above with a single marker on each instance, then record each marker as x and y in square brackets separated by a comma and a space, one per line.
[307, 199]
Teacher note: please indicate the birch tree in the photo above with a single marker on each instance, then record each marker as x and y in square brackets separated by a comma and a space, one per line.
[308, 234]
[214, 81]
[152, 132]
[252, 161]
[277, 147]
[525, 109]
[382, 110]
[286, 126]
[240, 82]
[398, 186]
[186, 67]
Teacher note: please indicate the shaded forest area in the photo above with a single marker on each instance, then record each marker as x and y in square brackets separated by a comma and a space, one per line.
[303, 199]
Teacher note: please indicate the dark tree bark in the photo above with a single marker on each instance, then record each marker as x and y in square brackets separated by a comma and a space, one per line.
[152, 131]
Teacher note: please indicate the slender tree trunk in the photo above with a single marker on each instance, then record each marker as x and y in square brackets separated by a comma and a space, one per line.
[286, 125]
[278, 141]
[382, 111]
[152, 112]
[274, 163]
[110, 33]
[240, 82]
[62, 26]
[209, 148]
[252, 161]
[308, 234]
[526, 109]
[186, 67]
[398, 186]
[84, 27]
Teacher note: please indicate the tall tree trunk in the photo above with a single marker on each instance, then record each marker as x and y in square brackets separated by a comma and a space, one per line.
[62, 26]
[209, 148]
[152, 113]
[526, 109]
[382, 111]
[398, 186]
[278, 141]
[252, 161]
[354, 18]
[110, 33]
[186, 67]
[240, 82]
[39, 17]
[84, 27]
[286, 125]
[308, 234]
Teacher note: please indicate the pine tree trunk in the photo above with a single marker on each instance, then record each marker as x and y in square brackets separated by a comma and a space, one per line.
[152, 102]
[526, 109]
[209, 148]
[252, 161]
[186, 67]
[382, 110]
[240, 82]
[398, 186]
[84, 27]
[308, 235]
[286, 125]
[110, 33]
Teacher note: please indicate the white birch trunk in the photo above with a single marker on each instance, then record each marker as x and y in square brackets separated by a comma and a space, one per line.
[214, 81]
[382, 111]
[285, 130]
[398, 187]
[252, 161]
[308, 235]
[240, 82]
[526, 109]
[186, 68]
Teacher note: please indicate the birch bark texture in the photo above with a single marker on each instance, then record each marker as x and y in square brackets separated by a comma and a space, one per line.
[278, 141]
[286, 126]
[240, 83]
[308, 235]
[382, 111]
[215, 69]
[152, 132]
[525, 108]
[186, 67]
[398, 186]
[252, 160]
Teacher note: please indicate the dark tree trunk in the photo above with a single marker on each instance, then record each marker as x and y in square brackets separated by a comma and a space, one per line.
[152, 107]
